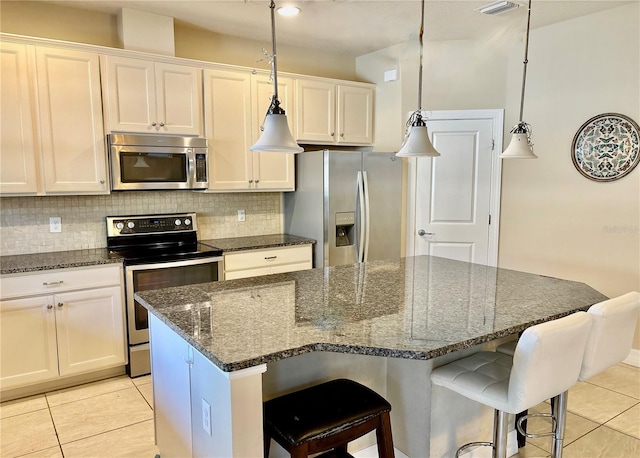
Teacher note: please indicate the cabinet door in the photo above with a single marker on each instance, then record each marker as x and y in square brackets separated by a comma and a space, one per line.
[355, 114]
[17, 131]
[90, 326]
[71, 125]
[171, 357]
[272, 171]
[228, 129]
[315, 111]
[179, 99]
[27, 341]
[130, 94]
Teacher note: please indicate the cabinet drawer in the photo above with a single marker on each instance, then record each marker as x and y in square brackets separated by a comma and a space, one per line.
[267, 270]
[55, 281]
[267, 258]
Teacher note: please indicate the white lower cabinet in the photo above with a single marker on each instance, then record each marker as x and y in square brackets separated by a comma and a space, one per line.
[253, 263]
[48, 336]
[199, 410]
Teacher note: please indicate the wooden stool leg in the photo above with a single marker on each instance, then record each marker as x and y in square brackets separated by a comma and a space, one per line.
[341, 450]
[383, 435]
[300, 452]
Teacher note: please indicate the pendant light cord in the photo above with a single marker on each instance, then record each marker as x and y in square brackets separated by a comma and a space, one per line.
[525, 62]
[274, 61]
[420, 66]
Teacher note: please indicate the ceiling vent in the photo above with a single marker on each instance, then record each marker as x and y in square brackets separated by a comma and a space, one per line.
[498, 7]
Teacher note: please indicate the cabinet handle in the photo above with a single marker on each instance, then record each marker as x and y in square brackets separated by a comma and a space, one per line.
[257, 181]
[60, 304]
[101, 181]
[153, 124]
[161, 124]
[52, 283]
[49, 306]
[332, 134]
[269, 257]
[342, 134]
[250, 181]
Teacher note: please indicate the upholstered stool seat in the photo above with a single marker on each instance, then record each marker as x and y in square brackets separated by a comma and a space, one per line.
[546, 362]
[327, 416]
[610, 341]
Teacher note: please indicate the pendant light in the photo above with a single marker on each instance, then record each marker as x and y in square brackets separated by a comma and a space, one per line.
[276, 136]
[416, 138]
[521, 146]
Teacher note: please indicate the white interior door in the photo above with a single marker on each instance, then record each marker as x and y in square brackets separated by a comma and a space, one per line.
[457, 194]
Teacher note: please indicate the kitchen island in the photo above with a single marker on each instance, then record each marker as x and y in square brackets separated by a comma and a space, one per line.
[220, 349]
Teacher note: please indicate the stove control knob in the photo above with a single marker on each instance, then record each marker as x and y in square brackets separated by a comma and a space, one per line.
[119, 225]
[178, 222]
[187, 222]
[131, 224]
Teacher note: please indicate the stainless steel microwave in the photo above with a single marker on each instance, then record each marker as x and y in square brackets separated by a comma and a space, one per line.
[147, 162]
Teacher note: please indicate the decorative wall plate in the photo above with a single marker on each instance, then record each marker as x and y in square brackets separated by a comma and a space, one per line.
[606, 147]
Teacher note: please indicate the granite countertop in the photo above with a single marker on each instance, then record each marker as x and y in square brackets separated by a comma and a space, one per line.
[256, 242]
[55, 260]
[24, 263]
[416, 308]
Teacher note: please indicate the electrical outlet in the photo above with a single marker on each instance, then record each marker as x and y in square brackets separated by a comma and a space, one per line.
[240, 215]
[206, 417]
[55, 224]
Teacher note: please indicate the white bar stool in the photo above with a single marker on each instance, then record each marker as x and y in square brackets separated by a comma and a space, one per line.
[610, 341]
[546, 362]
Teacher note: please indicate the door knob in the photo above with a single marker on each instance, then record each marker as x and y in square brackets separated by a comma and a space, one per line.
[422, 232]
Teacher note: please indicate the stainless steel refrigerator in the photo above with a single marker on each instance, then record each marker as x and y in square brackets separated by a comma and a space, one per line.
[350, 202]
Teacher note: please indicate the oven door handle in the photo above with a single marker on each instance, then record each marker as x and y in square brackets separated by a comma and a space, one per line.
[170, 264]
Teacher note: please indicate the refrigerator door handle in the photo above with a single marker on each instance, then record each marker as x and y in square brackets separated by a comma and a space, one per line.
[362, 216]
[367, 215]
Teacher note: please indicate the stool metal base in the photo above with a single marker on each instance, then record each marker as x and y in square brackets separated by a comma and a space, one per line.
[500, 433]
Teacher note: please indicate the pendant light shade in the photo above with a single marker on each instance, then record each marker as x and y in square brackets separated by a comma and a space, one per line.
[276, 136]
[417, 142]
[416, 138]
[521, 146]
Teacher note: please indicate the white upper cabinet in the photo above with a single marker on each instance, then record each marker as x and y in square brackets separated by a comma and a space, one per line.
[355, 114]
[236, 102]
[71, 126]
[227, 106]
[143, 96]
[330, 113]
[17, 130]
[52, 132]
[272, 171]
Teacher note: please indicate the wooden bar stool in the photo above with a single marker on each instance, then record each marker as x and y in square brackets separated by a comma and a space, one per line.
[325, 417]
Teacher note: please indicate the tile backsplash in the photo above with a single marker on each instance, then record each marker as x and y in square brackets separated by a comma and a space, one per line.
[24, 221]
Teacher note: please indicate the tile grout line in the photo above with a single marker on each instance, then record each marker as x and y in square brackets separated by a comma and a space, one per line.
[54, 425]
[105, 432]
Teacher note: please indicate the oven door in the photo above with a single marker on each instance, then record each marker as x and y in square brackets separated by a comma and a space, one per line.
[162, 275]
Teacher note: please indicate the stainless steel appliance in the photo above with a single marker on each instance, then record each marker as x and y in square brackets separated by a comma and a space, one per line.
[146, 162]
[350, 202]
[159, 251]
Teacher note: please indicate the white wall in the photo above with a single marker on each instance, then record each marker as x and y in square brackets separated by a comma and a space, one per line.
[553, 220]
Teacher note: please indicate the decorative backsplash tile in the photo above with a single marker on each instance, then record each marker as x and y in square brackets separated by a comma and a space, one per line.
[24, 221]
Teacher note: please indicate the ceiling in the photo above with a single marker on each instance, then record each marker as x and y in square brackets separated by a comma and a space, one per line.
[354, 27]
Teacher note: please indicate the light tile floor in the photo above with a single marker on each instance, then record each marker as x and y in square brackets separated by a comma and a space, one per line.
[114, 418]
[109, 418]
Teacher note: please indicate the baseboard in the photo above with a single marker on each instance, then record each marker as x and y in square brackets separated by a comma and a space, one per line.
[634, 358]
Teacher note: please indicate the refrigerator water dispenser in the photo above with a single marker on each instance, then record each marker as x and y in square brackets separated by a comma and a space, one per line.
[345, 222]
